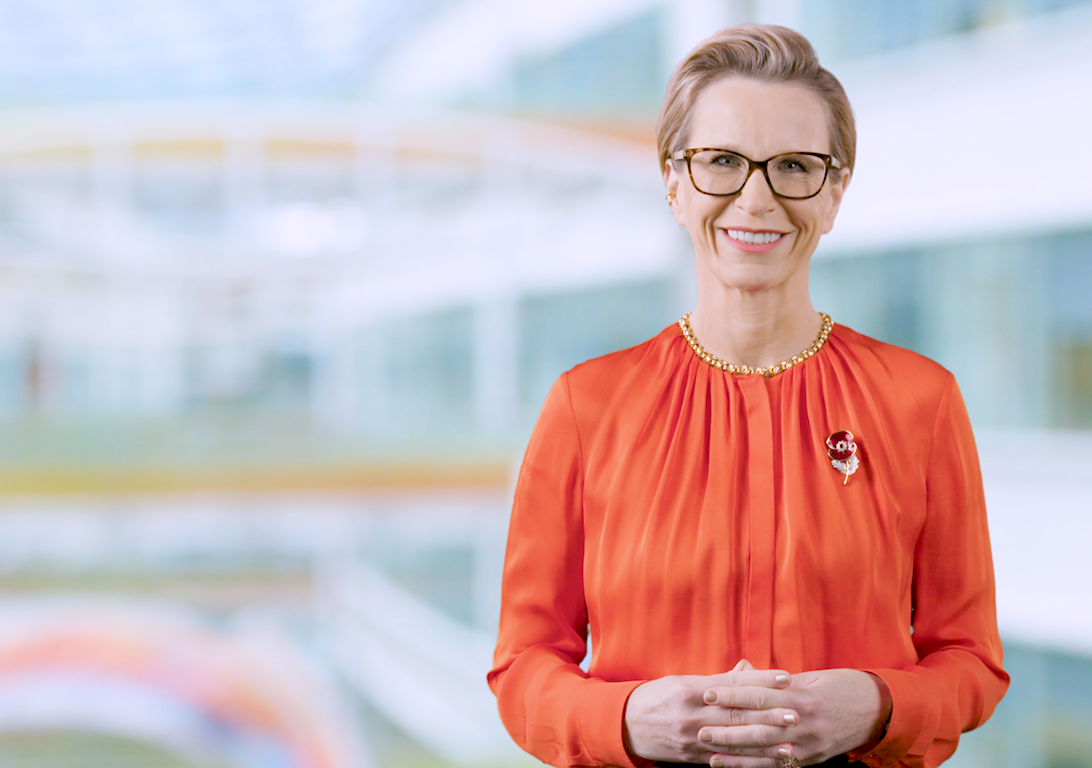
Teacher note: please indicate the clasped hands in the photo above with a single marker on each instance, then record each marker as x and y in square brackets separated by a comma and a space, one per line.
[750, 718]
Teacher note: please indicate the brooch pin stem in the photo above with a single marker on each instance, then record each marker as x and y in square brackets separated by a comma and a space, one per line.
[842, 451]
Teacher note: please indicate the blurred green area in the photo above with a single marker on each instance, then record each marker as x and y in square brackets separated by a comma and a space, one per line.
[67, 749]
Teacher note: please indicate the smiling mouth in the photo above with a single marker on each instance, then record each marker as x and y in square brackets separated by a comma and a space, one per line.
[754, 238]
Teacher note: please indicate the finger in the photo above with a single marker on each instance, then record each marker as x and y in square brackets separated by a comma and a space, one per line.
[779, 717]
[742, 666]
[762, 740]
[769, 678]
[746, 697]
[745, 761]
[751, 740]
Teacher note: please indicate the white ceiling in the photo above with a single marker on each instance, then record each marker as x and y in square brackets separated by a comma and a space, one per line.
[64, 50]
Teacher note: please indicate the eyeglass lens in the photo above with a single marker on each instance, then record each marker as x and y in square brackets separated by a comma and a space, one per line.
[718, 172]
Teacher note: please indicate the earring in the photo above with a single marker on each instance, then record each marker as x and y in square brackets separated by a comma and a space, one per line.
[670, 197]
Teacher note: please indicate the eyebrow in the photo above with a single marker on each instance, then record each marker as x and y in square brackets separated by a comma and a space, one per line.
[744, 154]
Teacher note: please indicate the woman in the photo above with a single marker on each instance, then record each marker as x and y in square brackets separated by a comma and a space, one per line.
[781, 554]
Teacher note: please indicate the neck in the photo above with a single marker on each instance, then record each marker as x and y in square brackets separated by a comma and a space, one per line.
[759, 329]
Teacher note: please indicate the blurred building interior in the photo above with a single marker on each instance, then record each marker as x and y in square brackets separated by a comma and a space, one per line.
[283, 285]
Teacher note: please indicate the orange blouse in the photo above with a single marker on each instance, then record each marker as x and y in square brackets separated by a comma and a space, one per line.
[691, 517]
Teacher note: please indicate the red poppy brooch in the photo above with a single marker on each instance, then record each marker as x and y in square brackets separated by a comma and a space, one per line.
[843, 453]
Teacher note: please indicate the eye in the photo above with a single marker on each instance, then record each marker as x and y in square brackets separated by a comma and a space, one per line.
[723, 160]
[793, 166]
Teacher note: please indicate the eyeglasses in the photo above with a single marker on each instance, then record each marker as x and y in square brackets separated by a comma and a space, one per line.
[794, 176]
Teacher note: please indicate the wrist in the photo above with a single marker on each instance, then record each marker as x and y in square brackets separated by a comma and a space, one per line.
[628, 716]
[883, 720]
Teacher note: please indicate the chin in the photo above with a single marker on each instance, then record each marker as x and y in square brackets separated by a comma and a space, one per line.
[748, 279]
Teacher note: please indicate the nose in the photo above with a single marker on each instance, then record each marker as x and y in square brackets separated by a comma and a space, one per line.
[756, 197]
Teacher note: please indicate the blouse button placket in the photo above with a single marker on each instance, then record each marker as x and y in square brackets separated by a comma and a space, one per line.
[758, 631]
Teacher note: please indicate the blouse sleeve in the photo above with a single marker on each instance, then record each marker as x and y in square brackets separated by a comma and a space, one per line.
[549, 705]
[958, 679]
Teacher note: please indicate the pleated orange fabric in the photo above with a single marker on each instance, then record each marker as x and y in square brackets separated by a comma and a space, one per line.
[691, 517]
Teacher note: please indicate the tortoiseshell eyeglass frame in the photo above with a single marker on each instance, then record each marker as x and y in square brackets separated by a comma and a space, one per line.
[829, 161]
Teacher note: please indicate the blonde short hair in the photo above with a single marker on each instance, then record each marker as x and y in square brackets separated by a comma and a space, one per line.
[762, 52]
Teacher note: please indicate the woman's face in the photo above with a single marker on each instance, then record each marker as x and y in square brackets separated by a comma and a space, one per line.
[757, 120]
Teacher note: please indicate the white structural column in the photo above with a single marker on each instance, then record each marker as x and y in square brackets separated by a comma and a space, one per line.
[787, 13]
[167, 374]
[688, 22]
[489, 540]
[111, 187]
[115, 373]
[377, 409]
[375, 164]
[244, 169]
[376, 187]
[336, 388]
[154, 343]
[496, 315]
[496, 364]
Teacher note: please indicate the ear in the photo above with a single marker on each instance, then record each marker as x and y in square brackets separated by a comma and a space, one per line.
[671, 187]
[837, 191]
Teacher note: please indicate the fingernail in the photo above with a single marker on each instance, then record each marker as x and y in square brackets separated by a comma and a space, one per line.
[710, 697]
[784, 752]
[790, 719]
[783, 679]
[705, 736]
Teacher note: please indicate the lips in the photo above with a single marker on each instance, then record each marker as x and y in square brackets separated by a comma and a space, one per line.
[754, 238]
[749, 241]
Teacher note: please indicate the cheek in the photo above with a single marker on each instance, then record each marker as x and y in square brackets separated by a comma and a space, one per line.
[825, 214]
[699, 218]
[812, 217]
[810, 223]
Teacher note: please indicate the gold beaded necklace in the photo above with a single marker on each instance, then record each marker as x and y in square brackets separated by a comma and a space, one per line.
[716, 362]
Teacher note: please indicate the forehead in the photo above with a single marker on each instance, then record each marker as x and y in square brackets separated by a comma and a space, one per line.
[759, 119]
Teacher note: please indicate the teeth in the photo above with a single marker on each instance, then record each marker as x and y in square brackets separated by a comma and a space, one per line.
[754, 238]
